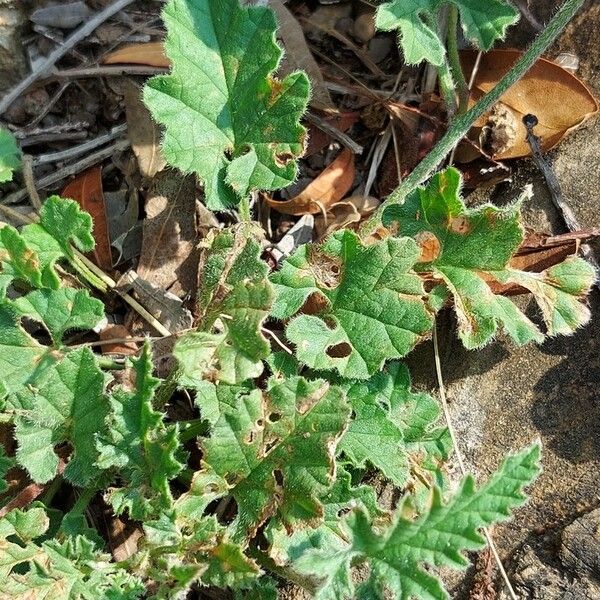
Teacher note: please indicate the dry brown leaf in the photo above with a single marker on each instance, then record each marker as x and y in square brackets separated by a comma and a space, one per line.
[328, 188]
[86, 189]
[143, 131]
[346, 214]
[147, 53]
[319, 139]
[118, 336]
[298, 55]
[559, 100]
[168, 258]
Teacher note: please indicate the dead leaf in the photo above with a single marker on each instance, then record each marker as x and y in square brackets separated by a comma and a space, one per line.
[86, 189]
[169, 259]
[147, 53]
[298, 55]
[144, 133]
[559, 100]
[118, 335]
[346, 214]
[327, 189]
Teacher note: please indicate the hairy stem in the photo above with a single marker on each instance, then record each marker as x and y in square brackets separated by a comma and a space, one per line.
[244, 209]
[461, 125]
[462, 87]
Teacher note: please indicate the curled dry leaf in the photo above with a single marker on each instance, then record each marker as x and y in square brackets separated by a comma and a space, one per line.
[86, 189]
[346, 214]
[560, 101]
[327, 189]
[148, 53]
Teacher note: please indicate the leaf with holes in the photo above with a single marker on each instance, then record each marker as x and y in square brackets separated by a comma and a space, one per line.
[143, 450]
[10, 156]
[390, 423]
[438, 538]
[466, 249]
[362, 305]
[277, 451]
[235, 297]
[483, 24]
[236, 127]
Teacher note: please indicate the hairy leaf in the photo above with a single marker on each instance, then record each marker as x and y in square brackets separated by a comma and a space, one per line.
[65, 404]
[10, 155]
[467, 248]
[142, 448]
[364, 303]
[30, 255]
[235, 297]
[483, 23]
[396, 556]
[390, 422]
[225, 117]
[277, 451]
[57, 570]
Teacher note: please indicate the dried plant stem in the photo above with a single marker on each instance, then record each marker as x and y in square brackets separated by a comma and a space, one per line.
[459, 458]
[461, 124]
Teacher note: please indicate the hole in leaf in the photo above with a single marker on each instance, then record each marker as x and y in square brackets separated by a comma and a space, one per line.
[341, 350]
[353, 415]
[330, 322]
[274, 417]
[278, 475]
[314, 304]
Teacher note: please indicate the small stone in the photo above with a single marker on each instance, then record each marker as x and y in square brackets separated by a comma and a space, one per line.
[580, 549]
[364, 27]
[62, 16]
[379, 48]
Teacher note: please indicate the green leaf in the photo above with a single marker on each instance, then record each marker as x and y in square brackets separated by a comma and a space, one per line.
[58, 570]
[141, 446]
[235, 297]
[483, 24]
[10, 155]
[467, 248]
[6, 463]
[65, 404]
[31, 255]
[277, 451]
[365, 303]
[61, 310]
[439, 538]
[390, 422]
[225, 117]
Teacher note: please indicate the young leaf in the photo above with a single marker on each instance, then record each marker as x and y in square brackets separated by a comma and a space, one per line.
[466, 248]
[364, 303]
[438, 538]
[225, 117]
[57, 570]
[141, 446]
[277, 451]
[483, 23]
[10, 155]
[235, 297]
[65, 404]
[31, 254]
[390, 422]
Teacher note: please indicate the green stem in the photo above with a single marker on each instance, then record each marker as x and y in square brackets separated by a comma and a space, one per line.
[109, 364]
[82, 502]
[461, 125]
[190, 430]
[51, 490]
[454, 59]
[244, 209]
[88, 275]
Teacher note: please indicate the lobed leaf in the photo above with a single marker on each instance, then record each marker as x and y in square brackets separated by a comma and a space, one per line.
[236, 127]
[277, 451]
[140, 446]
[362, 305]
[235, 297]
[397, 554]
[468, 248]
[483, 23]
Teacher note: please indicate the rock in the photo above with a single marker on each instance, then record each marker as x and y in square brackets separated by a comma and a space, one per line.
[364, 27]
[580, 549]
[379, 48]
[62, 16]
[12, 58]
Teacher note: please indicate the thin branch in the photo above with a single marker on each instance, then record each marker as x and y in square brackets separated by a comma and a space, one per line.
[60, 51]
[334, 132]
